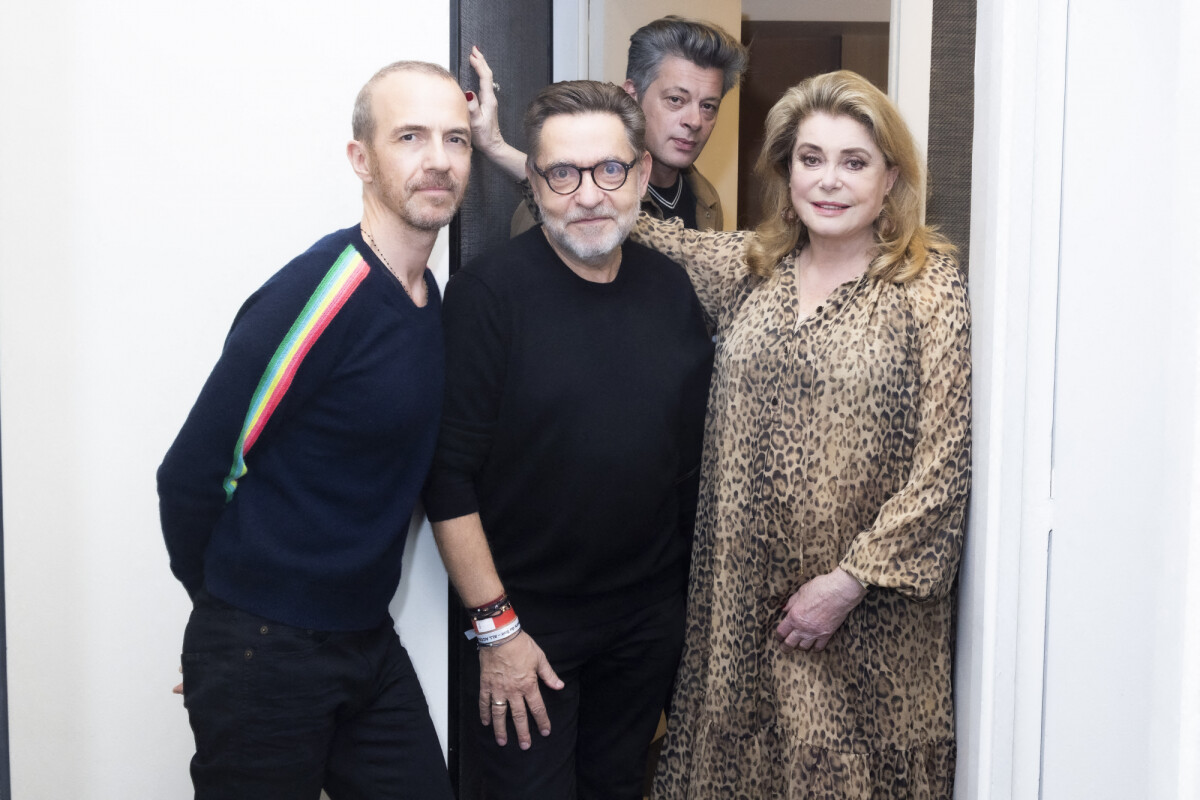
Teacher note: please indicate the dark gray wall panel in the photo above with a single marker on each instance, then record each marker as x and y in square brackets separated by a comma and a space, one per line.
[951, 121]
[516, 38]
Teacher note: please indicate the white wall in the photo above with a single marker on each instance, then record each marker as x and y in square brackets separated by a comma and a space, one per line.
[158, 161]
[1125, 419]
[1079, 655]
[610, 26]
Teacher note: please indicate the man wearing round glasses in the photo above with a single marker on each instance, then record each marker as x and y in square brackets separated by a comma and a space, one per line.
[587, 211]
[595, 218]
[577, 369]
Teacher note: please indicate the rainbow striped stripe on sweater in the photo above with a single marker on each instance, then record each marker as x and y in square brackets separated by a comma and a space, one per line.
[347, 272]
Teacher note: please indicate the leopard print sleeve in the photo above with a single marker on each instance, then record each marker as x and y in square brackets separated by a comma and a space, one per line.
[915, 542]
[713, 260]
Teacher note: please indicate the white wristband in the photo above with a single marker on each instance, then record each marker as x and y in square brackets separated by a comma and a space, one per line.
[498, 635]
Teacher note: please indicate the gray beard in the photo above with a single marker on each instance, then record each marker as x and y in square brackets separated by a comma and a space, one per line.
[589, 249]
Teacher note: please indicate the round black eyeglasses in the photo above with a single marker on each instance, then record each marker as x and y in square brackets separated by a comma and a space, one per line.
[566, 178]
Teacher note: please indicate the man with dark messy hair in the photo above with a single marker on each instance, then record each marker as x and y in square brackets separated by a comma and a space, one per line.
[678, 71]
[706, 45]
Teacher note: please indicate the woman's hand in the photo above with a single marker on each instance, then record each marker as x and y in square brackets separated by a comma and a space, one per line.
[485, 111]
[818, 609]
[508, 683]
[485, 121]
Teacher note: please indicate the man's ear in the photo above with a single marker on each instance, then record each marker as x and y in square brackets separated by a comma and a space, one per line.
[360, 160]
[631, 90]
[535, 184]
[644, 166]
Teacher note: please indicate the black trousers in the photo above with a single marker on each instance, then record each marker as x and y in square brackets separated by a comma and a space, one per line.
[281, 712]
[618, 678]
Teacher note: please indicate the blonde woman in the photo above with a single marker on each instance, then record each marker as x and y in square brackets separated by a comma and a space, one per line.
[836, 471]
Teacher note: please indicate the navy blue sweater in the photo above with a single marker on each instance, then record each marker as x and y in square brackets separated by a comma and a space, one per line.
[573, 422]
[288, 492]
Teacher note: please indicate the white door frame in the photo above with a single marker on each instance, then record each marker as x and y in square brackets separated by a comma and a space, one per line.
[1016, 181]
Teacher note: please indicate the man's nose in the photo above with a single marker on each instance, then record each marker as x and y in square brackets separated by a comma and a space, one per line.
[691, 117]
[436, 158]
[589, 193]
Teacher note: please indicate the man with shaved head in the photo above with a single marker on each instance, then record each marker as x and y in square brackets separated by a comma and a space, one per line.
[286, 498]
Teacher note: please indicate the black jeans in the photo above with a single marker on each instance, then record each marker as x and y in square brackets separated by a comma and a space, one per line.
[618, 678]
[282, 712]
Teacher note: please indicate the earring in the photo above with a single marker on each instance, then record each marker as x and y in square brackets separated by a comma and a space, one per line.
[788, 215]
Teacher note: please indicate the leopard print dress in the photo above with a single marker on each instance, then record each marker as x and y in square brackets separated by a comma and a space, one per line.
[838, 439]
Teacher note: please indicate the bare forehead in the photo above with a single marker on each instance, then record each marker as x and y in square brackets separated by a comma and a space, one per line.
[409, 93]
[576, 138]
[678, 73]
[834, 133]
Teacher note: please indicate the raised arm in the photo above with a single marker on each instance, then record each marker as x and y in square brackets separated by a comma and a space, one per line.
[485, 121]
[713, 260]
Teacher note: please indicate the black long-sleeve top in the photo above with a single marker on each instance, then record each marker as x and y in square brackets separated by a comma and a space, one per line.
[572, 424]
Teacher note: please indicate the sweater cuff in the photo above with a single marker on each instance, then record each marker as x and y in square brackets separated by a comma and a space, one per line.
[852, 572]
[445, 499]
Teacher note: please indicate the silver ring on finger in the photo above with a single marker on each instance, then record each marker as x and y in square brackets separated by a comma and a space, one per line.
[495, 87]
[500, 703]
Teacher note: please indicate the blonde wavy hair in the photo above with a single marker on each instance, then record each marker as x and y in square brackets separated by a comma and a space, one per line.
[903, 241]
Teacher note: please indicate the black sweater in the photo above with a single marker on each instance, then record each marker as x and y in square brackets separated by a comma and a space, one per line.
[288, 492]
[572, 424]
